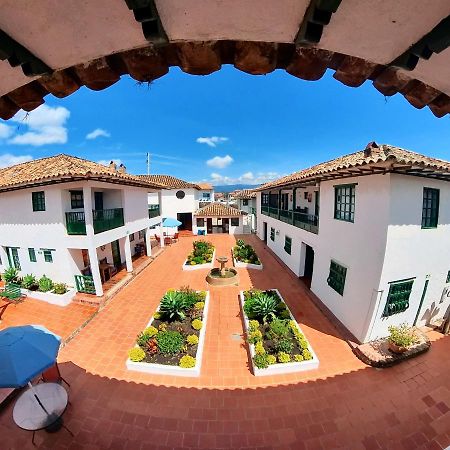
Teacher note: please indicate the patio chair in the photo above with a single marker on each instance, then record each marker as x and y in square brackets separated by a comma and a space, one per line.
[175, 237]
[53, 375]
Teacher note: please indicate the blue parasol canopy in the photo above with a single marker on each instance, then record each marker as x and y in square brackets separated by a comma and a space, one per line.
[25, 352]
[170, 222]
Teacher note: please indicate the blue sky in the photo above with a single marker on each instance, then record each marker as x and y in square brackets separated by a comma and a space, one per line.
[262, 127]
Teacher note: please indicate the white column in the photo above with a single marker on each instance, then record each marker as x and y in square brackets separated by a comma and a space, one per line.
[148, 242]
[161, 235]
[127, 249]
[95, 271]
[88, 215]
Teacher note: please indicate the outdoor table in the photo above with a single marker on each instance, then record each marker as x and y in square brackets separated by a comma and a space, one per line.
[28, 414]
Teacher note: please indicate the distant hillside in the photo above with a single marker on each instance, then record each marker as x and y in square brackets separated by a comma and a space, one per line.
[233, 187]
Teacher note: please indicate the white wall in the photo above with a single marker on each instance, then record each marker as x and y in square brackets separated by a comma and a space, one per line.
[171, 205]
[232, 229]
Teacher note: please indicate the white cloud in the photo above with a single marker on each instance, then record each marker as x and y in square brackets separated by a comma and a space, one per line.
[212, 141]
[220, 162]
[5, 131]
[46, 125]
[106, 162]
[10, 160]
[98, 132]
[245, 178]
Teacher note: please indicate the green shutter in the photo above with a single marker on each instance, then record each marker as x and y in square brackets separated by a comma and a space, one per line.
[38, 200]
[287, 244]
[272, 234]
[48, 257]
[336, 278]
[398, 297]
[32, 254]
[430, 208]
[448, 277]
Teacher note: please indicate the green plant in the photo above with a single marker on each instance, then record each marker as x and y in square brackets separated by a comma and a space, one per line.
[45, 284]
[402, 335]
[284, 346]
[253, 325]
[59, 288]
[151, 331]
[29, 282]
[271, 359]
[261, 307]
[279, 327]
[190, 296]
[174, 305]
[199, 305]
[307, 355]
[192, 339]
[298, 358]
[136, 354]
[261, 361]
[11, 275]
[254, 336]
[187, 362]
[157, 315]
[170, 342]
[240, 243]
[283, 357]
[152, 346]
[259, 348]
[197, 324]
[162, 326]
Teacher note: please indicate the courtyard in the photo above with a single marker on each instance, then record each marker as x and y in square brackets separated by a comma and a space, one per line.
[342, 404]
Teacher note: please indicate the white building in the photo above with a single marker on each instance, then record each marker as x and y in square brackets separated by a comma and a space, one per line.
[370, 233]
[73, 220]
[246, 201]
[217, 218]
[178, 199]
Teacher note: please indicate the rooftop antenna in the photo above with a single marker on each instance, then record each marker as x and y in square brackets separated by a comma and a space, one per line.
[148, 163]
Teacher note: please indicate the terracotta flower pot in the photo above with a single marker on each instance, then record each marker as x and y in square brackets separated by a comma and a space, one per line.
[397, 348]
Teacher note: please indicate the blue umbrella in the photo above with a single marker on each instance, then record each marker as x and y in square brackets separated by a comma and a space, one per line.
[170, 222]
[25, 352]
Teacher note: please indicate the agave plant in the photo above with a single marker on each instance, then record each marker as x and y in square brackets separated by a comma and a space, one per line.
[240, 243]
[11, 275]
[264, 306]
[173, 305]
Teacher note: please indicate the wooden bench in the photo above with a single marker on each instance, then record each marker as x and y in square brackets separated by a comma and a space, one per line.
[11, 292]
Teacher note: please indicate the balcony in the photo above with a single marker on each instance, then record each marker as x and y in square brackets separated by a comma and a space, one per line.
[308, 222]
[104, 220]
[153, 211]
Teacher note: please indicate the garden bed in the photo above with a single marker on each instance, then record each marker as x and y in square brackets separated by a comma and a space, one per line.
[173, 346]
[51, 297]
[276, 342]
[201, 257]
[245, 257]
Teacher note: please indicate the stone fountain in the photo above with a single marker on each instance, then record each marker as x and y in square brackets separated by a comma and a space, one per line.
[222, 276]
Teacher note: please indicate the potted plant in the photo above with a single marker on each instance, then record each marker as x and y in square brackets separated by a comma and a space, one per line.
[401, 338]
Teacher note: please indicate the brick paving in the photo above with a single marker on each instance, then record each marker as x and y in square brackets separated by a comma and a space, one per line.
[343, 404]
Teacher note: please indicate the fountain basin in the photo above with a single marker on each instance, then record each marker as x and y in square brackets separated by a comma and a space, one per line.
[230, 277]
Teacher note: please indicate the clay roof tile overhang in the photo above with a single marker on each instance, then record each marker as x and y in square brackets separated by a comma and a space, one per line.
[57, 47]
[244, 194]
[63, 169]
[218, 210]
[375, 159]
[168, 181]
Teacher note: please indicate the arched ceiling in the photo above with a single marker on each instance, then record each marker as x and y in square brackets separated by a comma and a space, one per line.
[54, 47]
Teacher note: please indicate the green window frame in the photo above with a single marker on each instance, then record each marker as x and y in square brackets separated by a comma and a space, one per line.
[398, 297]
[13, 257]
[344, 202]
[430, 208]
[337, 276]
[287, 244]
[76, 200]
[235, 221]
[32, 254]
[48, 257]
[448, 277]
[272, 234]
[38, 200]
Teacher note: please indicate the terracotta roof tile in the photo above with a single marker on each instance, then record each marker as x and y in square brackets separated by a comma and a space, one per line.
[218, 210]
[244, 193]
[168, 181]
[204, 186]
[63, 168]
[376, 154]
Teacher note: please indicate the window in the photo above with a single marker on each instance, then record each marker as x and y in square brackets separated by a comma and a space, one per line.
[32, 254]
[76, 199]
[38, 200]
[344, 202]
[430, 208]
[272, 234]
[264, 199]
[448, 277]
[48, 257]
[287, 244]
[336, 279]
[398, 297]
[131, 237]
[206, 196]
[234, 221]
[180, 194]
[200, 222]
[245, 202]
[13, 257]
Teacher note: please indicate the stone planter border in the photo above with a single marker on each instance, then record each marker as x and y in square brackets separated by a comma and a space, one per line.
[241, 265]
[200, 266]
[50, 297]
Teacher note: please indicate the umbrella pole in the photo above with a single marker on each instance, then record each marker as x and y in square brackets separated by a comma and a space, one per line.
[36, 397]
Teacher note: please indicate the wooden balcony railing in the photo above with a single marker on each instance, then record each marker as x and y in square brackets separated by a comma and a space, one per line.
[308, 222]
[153, 211]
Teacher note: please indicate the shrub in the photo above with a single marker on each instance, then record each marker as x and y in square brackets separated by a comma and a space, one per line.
[151, 331]
[199, 305]
[298, 358]
[253, 325]
[261, 307]
[29, 282]
[271, 359]
[174, 305]
[240, 243]
[192, 339]
[284, 346]
[259, 348]
[307, 355]
[190, 296]
[254, 336]
[11, 275]
[136, 354]
[261, 361]
[170, 342]
[162, 326]
[157, 315]
[284, 315]
[187, 362]
[45, 284]
[283, 357]
[152, 346]
[402, 335]
[59, 288]
[279, 327]
[197, 324]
